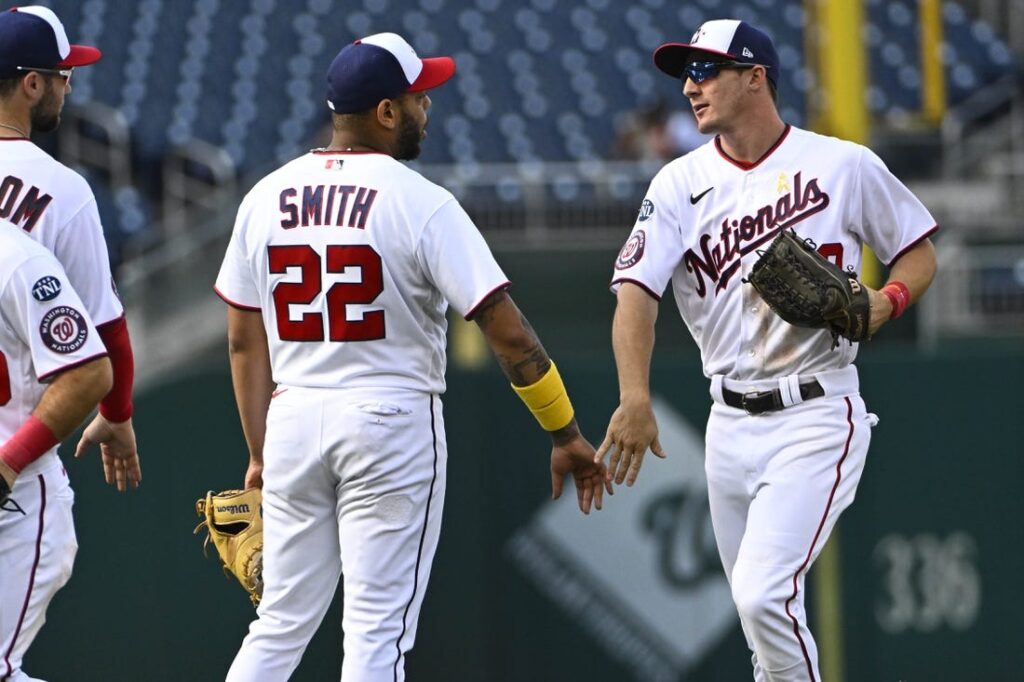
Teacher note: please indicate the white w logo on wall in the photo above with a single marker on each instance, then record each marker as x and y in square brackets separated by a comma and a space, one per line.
[643, 577]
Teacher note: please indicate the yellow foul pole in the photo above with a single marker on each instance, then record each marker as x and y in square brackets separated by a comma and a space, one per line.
[933, 78]
[835, 50]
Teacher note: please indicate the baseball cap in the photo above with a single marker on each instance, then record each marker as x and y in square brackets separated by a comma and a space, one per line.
[34, 37]
[381, 66]
[732, 38]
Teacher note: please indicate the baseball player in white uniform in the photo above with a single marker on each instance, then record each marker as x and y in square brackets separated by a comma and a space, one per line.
[53, 371]
[339, 273]
[788, 431]
[55, 206]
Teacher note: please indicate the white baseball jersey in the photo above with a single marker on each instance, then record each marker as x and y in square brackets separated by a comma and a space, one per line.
[44, 329]
[55, 205]
[706, 215]
[353, 259]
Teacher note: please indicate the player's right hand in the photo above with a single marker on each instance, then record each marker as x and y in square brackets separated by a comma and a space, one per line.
[118, 451]
[632, 430]
[576, 457]
[254, 475]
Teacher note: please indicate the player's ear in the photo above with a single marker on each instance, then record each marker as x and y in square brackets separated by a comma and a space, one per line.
[33, 85]
[387, 113]
[758, 78]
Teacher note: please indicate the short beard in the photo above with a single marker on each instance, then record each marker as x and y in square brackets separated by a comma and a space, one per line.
[410, 136]
[45, 115]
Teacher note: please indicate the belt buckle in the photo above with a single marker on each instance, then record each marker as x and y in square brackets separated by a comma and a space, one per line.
[743, 401]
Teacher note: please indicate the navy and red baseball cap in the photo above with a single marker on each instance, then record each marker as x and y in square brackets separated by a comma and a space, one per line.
[381, 66]
[33, 37]
[731, 38]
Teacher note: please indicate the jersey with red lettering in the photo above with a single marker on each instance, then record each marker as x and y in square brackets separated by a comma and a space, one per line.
[44, 329]
[706, 215]
[56, 207]
[353, 259]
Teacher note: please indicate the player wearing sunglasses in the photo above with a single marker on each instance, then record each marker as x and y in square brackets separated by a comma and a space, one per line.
[788, 432]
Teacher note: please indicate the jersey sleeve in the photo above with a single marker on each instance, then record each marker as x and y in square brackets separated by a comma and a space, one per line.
[655, 246]
[457, 260]
[82, 250]
[47, 314]
[892, 220]
[235, 282]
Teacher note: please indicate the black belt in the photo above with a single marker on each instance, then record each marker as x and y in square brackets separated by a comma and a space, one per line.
[757, 402]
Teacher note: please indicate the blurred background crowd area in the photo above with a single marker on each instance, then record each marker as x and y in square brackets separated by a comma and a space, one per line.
[552, 128]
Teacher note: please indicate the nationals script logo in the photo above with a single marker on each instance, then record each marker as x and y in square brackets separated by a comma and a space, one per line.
[741, 236]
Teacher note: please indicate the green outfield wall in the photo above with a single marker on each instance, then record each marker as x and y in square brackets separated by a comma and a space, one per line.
[526, 589]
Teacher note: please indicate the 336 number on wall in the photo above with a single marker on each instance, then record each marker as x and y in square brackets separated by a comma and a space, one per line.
[928, 582]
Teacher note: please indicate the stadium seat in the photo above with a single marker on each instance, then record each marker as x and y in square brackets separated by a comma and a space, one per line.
[538, 80]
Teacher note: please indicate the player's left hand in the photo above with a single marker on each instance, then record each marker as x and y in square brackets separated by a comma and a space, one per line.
[881, 310]
[576, 457]
[118, 451]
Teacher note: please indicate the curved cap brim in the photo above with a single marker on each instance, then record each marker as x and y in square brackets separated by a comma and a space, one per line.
[81, 55]
[436, 71]
[671, 58]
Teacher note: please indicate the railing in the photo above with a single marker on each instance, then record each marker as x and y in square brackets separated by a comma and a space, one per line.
[97, 136]
[984, 136]
[978, 292]
[197, 176]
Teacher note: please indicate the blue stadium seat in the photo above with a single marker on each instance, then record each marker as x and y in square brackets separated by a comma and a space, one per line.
[537, 79]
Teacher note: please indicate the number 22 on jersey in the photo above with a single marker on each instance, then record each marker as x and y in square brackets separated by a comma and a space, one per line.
[339, 296]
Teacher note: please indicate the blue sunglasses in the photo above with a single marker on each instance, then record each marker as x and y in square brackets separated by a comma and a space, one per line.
[699, 72]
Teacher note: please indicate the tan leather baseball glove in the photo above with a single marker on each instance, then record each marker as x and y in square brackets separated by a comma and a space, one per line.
[234, 522]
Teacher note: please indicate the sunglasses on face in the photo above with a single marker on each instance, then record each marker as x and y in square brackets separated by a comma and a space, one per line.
[699, 72]
[63, 73]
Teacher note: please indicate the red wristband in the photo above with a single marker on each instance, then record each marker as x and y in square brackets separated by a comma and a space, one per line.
[33, 440]
[898, 295]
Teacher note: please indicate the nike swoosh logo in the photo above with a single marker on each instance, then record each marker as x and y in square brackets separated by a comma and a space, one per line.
[695, 199]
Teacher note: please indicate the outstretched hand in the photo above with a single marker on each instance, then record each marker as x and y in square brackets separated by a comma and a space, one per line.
[576, 457]
[632, 430]
[118, 451]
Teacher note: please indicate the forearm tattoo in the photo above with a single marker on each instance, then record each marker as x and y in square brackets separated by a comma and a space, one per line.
[485, 314]
[525, 370]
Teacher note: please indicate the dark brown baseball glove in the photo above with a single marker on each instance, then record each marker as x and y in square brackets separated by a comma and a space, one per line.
[807, 290]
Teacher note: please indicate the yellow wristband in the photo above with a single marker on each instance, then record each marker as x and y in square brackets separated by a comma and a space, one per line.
[547, 400]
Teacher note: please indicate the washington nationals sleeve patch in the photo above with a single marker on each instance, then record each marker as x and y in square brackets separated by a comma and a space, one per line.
[46, 289]
[632, 251]
[63, 329]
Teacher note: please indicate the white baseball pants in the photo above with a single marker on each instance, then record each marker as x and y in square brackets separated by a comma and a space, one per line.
[37, 551]
[777, 483]
[353, 486]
